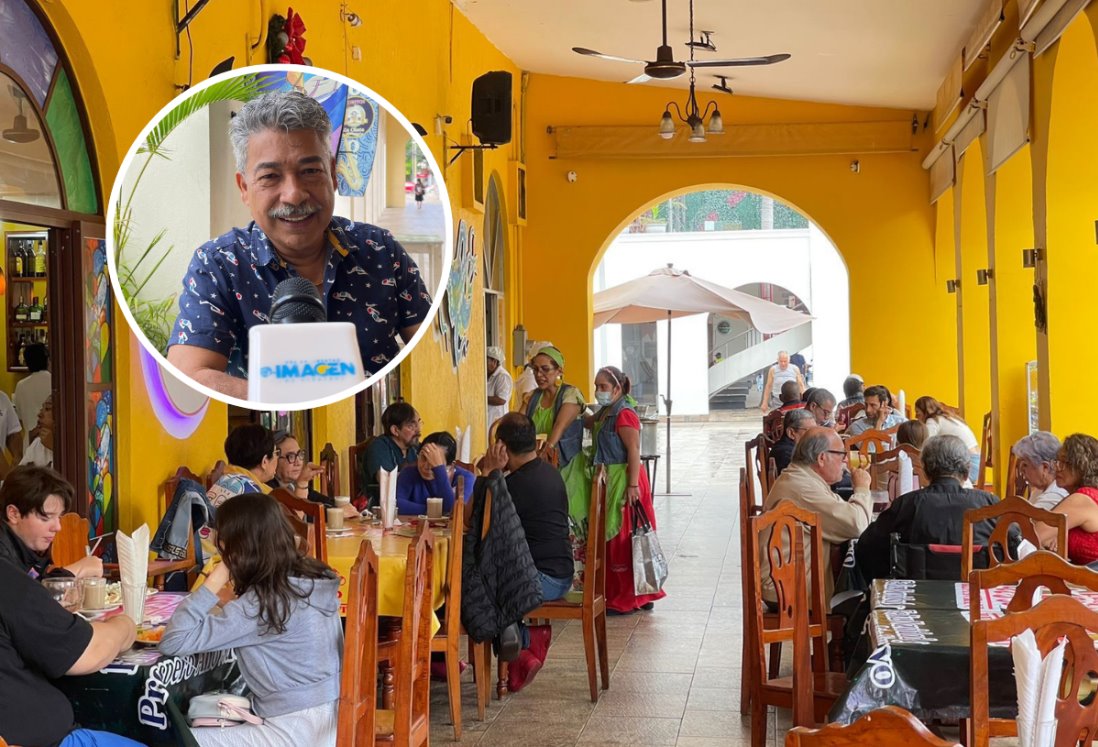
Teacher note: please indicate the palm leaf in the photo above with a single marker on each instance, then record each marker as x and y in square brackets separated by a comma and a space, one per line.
[243, 88]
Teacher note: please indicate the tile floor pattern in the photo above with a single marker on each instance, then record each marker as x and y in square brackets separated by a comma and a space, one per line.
[675, 671]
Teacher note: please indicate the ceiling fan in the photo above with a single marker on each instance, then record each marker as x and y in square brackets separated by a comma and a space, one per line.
[665, 66]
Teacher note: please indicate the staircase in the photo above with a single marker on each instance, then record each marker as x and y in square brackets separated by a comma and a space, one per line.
[733, 378]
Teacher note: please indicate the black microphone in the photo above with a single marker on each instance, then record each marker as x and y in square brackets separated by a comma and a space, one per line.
[296, 300]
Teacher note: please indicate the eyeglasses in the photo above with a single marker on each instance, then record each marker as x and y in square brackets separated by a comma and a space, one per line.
[844, 454]
[544, 369]
[295, 456]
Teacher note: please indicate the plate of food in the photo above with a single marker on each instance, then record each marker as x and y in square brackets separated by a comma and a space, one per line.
[149, 635]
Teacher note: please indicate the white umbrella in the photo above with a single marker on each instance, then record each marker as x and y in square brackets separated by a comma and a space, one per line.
[668, 293]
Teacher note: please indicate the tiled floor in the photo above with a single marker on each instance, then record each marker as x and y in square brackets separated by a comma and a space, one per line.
[675, 671]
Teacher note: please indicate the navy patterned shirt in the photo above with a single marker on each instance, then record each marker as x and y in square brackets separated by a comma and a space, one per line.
[369, 280]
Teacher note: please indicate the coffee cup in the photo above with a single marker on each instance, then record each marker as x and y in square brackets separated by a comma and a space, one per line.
[434, 508]
[335, 517]
[95, 593]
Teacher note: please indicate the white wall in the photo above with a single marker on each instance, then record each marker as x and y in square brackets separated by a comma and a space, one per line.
[802, 261]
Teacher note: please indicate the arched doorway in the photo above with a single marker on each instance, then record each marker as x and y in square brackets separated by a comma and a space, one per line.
[741, 240]
[54, 257]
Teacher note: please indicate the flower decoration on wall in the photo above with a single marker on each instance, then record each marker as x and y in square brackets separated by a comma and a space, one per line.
[286, 39]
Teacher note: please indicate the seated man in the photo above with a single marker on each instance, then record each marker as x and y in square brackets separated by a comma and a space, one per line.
[286, 174]
[818, 463]
[33, 499]
[795, 423]
[397, 446]
[933, 515]
[253, 459]
[40, 451]
[434, 475]
[821, 403]
[1036, 455]
[790, 397]
[40, 641]
[541, 503]
[879, 414]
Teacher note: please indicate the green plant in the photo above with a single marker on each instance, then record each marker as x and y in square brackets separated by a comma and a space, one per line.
[137, 265]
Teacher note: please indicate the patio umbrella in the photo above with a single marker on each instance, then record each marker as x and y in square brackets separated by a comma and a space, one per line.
[668, 293]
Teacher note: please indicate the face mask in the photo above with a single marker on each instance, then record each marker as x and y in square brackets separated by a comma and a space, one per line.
[604, 398]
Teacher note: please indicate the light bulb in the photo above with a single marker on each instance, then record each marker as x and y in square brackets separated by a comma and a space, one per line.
[667, 126]
[716, 123]
[697, 133]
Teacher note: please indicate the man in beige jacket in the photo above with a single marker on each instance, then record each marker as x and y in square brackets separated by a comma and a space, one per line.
[817, 463]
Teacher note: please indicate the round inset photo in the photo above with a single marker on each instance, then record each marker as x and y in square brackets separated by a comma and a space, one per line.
[280, 237]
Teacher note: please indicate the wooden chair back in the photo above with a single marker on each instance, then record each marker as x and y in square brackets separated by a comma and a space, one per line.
[71, 542]
[1057, 617]
[757, 458]
[773, 426]
[1008, 513]
[884, 469]
[411, 716]
[329, 476]
[780, 533]
[358, 681]
[844, 416]
[216, 473]
[987, 449]
[356, 453]
[167, 493]
[878, 440]
[1042, 569]
[1016, 483]
[312, 532]
[595, 587]
[452, 624]
[467, 466]
[890, 726]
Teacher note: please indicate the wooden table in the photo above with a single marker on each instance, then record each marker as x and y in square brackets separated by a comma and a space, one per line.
[392, 554]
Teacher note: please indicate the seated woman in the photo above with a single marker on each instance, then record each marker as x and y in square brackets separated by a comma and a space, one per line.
[1077, 472]
[1036, 455]
[912, 433]
[284, 627]
[434, 475]
[930, 412]
[294, 470]
[933, 515]
[253, 460]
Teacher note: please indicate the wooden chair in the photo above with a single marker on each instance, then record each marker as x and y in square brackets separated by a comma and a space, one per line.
[358, 681]
[355, 454]
[811, 691]
[884, 468]
[757, 458]
[890, 726]
[216, 473]
[879, 440]
[159, 570]
[329, 476]
[409, 722]
[448, 637]
[987, 448]
[1056, 617]
[844, 416]
[551, 455]
[1006, 513]
[773, 426]
[313, 531]
[591, 612]
[1016, 484]
[71, 542]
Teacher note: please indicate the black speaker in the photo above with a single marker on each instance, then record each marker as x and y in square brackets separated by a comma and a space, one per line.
[492, 107]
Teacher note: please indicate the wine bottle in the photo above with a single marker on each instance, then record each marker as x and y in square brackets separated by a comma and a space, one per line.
[40, 258]
[28, 259]
[16, 259]
[22, 311]
[34, 313]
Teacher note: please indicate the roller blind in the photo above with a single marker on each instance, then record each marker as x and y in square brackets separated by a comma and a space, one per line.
[1008, 114]
[968, 134]
[941, 172]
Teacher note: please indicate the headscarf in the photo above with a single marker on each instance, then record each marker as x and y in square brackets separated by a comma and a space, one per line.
[553, 354]
[496, 353]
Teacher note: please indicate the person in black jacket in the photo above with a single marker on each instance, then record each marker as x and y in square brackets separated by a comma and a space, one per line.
[541, 503]
[33, 499]
[794, 424]
[931, 515]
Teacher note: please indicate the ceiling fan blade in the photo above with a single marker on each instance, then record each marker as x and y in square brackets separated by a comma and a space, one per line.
[742, 61]
[642, 78]
[600, 55]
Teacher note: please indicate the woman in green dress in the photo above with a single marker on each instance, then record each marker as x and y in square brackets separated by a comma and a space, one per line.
[555, 407]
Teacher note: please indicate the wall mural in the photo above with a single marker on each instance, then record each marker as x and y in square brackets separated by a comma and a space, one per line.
[456, 315]
[99, 389]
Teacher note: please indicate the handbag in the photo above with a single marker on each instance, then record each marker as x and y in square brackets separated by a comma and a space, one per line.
[649, 564]
[221, 709]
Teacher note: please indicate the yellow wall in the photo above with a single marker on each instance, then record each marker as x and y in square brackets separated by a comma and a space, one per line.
[974, 298]
[880, 221]
[945, 268]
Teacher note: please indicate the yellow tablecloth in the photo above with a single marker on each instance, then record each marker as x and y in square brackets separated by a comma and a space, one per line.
[392, 555]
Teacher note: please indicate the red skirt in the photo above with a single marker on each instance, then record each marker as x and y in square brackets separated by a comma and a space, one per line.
[620, 596]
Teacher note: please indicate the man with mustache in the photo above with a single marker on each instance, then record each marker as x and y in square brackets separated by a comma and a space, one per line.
[286, 176]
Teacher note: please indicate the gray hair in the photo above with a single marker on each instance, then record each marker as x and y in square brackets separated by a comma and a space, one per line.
[811, 445]
[797, 418]
[276, 110]
[946, 456]
[1037, 448]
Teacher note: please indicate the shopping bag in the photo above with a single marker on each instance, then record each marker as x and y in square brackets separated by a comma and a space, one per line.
[649, 563]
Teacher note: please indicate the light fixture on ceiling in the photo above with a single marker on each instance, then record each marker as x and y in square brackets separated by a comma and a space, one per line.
[694, 117]
[19, 132]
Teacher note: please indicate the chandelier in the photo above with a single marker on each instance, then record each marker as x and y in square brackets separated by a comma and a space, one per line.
[694, 115]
